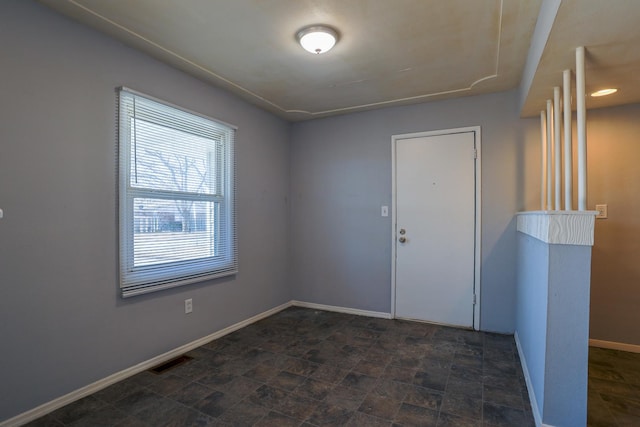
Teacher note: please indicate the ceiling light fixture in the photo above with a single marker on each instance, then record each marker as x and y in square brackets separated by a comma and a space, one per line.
[604, 92]
[317, 38]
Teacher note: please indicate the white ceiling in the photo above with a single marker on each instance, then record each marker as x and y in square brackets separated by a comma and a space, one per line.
[610, 32]
[389, 52]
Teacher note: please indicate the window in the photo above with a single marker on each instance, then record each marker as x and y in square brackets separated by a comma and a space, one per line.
[176, 195]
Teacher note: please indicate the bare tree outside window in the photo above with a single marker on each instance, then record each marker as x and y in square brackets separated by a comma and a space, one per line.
[176, 196]
[180, 173]
[168, 160]
[163, 165]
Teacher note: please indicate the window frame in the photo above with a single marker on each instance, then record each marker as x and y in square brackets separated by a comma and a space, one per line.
[141, 279]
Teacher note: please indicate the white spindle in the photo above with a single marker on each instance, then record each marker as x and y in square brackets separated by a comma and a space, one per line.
[582, 130]
[543, 159]
[568, 154]
[557, 146]
[549, 157]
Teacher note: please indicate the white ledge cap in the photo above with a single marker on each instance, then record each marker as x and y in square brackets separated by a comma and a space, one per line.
[559, 227]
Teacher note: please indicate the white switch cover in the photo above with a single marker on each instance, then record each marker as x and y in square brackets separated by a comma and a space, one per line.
[1, 213]
[602, 211]
[188, 306]
[384, 211]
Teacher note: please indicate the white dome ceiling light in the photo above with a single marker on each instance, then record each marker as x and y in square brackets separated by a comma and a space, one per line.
[317, 38]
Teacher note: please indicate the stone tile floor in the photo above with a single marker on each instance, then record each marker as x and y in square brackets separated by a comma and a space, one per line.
[304, 367]
[614, 388]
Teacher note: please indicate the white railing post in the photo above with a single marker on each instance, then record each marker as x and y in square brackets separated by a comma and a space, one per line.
[543, 160]
[557, 145]
[549, 157]
[582, 130]
[568, 154]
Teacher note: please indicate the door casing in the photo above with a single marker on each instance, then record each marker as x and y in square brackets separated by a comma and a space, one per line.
[478, 211]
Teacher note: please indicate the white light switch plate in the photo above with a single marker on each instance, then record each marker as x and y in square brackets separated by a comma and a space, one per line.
[384, 211]
[602, 211]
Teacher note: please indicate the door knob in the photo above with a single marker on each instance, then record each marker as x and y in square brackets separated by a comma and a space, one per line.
[402, 239]
[402, 231]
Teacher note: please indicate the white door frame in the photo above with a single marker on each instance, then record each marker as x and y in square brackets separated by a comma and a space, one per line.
[478, 205]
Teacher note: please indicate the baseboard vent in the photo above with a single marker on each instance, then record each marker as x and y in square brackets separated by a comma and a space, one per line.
[161, 369]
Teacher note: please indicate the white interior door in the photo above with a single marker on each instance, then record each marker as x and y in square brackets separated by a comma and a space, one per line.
[435, 228]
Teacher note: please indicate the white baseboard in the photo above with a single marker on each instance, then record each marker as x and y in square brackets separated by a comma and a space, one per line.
[532, 396]
[338, 309]
[61, 401]
[632, 348]
[51, 406]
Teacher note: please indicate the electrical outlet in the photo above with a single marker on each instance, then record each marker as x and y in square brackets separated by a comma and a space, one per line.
[188, 306]
[602, 211]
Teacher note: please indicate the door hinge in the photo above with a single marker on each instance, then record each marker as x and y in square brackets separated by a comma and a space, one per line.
[474, 299]
[475, 153]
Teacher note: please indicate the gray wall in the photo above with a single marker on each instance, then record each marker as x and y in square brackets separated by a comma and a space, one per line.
[567, 366]
[341, 175]
[614, 179]
[552, 327]
[62, 322]
[532, 304]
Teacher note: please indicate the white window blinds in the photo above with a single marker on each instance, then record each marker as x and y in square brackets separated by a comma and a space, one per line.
[176, 195]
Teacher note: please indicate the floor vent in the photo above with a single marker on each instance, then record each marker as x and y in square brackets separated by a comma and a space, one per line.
[161, 369]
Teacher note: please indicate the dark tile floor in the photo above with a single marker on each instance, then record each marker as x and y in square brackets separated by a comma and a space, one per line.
[614, 388]
[304, 367]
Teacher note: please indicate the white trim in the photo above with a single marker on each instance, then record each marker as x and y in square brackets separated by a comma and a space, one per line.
[61, 401]
[478, 237]
[559, 227]
[632, 348]
[339, 309]
[478, 212]
[393, 227]
[532, 396]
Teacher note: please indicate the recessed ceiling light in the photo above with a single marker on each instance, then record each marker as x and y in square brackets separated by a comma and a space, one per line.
[604, 92]
[317, 38]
